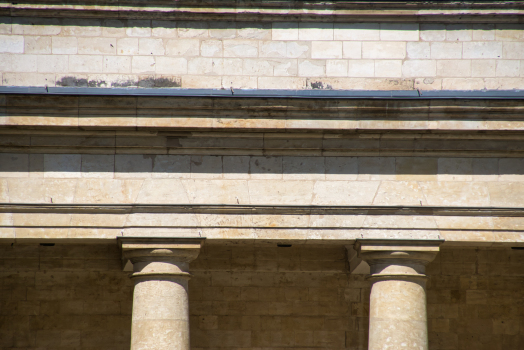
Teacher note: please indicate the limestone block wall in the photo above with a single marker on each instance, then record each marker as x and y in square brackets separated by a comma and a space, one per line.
[263, 55]
[252, 297]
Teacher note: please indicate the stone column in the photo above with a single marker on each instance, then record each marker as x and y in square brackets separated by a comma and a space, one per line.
[160, 301]
[397, 315]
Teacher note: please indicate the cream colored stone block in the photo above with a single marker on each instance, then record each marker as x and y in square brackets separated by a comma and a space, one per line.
[463, 84]
[483, 49]
[275, 49]
[37, 44]
[428, 84]
[356, 31]
[282, 192]
[117, 64]
[107, 191]
[24, 63]
[138, 28]
[86, 64]
[171, 65]
[344, 192]
[133, 166]
[143, 64]
[284, 67]
[315, 31]
[456, 193]
[148, 46]
[387, 50]
[260, 31]
[509, 32]
[36, 26]
[418, 50]
[455, 169]
[399, 31]
[458, 32]
[352, 49]
[4, 194]
[508, 68]
[12, 43]
[222, 30]
[312, 68]
[454, 68]
[223, 66]
[192, 29]
[24, 190]
[64, 45]
[504, 84]
[5, 25]
[107, 220]
[399, 193]
[202, 191]
[98, 166]
[432, 32]
[422, 222]
[336, 68]
[162, 191]
[171, 166]
[483, 32]
[303, 168]
[483, 68]
[183, 47]
[419, 68]
[28, 79]
[256, 67]
[62, 165]
[326, 49]
[37, 219]
[376, 168]
[200, 65]
[163, 29]
[240, 48]
[97, 46]
[508, 223]
[297, 49]
[238, 82]
[281, 83]
[388, 68]
[201, 82]
[464, 222]
[81, 27]
[284, 31]
[206, 167]
[511, 169]
[54, 64]
[443, 50]
[211, 48]
[503, 194]
[127, 46]
[361, 68]
[114, 27]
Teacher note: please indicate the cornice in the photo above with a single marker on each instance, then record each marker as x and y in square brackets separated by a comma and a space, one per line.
[260, 10]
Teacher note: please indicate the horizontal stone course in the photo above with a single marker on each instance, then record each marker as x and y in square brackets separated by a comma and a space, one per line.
[314, 50]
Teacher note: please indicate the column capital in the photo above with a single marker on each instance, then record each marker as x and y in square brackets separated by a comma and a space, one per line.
[397, 258]
[159, 255]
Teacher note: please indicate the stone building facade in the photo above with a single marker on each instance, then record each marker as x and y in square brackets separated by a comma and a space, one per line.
[270, 174]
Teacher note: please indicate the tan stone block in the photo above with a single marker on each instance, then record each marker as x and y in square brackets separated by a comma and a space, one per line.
[113, 27]
[443, 50]
[454, 68]
[240, 48]
[284, 31]
[37, 44]
[97, 46]
[211, 48]
[508, 68]
[148, 46]
[36, 26]
[455, 169]
[388, 68]
[464, 222]
[202, 82]
[298, 49]
[284, 67]
[399, 31]
[183, 47]
[36, 219]
[127, 46]
[222, 30]
[508, 223]
[416, 169]
[387, 50]
[217, 191]
[463, 84]
[505, 84]
[260, 31]
[85, 64]
[344, 192]
[163, 29]
[483, 49]
[281, 83]
[483, 32]
[193, 29]
[28, 79]
[171, 65]
[64, 45]
[162, 191]
[483, 68]
[458, 32]
[315, 31]
[352, 49]
[432, 32]
[456, 193]
[138, 28]
[356, 31]
[399, 193]
[400, 222]
[326, 49]
[5, 25]
[284, 192]
[107, 191]
[256, 67]
[239, 82]
[419, 68]
[336, 68]
[143, 64]
[376, 168]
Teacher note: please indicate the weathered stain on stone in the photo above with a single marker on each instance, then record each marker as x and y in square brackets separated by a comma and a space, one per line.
[71, 81]
[162, 82]
[318, 85]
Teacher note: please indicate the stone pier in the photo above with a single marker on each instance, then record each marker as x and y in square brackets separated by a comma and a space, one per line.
[160, 318]
[398, 316]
